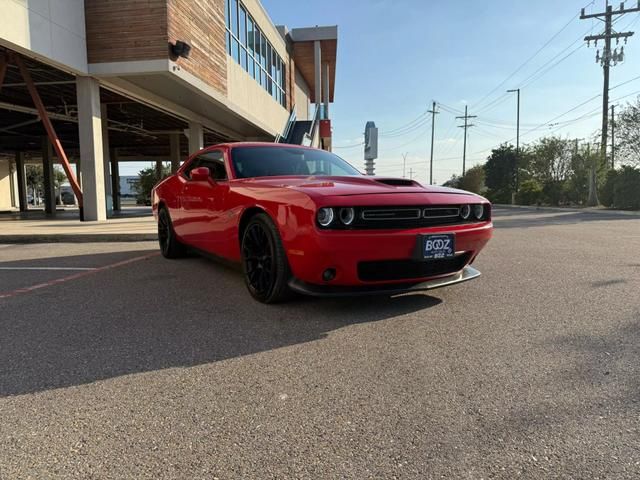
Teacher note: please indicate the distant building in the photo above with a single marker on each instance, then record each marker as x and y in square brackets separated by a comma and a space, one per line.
[127, 186]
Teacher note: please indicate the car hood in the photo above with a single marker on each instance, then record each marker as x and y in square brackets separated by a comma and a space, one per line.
[345, 186]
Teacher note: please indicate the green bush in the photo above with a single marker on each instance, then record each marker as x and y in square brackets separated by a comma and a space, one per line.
[530, 193]
[554, 192]
[606, 192]
[502, 196]
[626, 190]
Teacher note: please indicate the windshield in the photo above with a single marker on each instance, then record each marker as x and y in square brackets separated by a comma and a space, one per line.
[274, 161]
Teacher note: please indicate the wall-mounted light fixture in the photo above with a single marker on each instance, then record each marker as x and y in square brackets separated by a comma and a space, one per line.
[180, 49]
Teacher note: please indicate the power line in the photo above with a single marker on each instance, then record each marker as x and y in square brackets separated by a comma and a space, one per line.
[405, 126]
[408, 130]
[349, 146]
[545, 45]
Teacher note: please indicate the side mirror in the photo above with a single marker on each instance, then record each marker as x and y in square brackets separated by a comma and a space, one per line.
[200, 174]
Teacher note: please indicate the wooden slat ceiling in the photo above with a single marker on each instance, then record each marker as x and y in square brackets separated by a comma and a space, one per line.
[304, 58]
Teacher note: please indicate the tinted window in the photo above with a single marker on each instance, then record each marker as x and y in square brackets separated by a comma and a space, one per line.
[214, 161]
[273, 161]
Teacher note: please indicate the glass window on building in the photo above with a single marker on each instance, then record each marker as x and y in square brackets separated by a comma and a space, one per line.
[250, 35]
[242, 20]
[235, 50]
[249, 47]
[234, 17]
[243, 58]
[263, 51]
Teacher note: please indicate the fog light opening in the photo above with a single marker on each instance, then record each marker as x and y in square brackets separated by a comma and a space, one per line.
[329, 274]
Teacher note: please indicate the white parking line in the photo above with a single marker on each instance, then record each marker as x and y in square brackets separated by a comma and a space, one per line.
[48, 268]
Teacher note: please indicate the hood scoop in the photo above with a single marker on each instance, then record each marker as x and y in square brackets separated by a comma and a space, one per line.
[397, 182]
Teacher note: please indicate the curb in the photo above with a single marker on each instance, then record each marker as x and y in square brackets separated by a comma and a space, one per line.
[79, 238]
[592, 210]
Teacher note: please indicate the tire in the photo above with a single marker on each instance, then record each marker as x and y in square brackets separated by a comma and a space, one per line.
[264, 261]
[170, 246]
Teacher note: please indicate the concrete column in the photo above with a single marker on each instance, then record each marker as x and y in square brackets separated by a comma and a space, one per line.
[106, 158]
[174, 151]
[115, 179]
[22, 182]
[158, 168]
[91, 153]
[317, 61]
[196, 137]
[12, 184]
[48, 176]
[325, 89]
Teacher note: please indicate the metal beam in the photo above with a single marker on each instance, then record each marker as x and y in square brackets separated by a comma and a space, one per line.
[18, 125]
[68, 118]
[37, 84]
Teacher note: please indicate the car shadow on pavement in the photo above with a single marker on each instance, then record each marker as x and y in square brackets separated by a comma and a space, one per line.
[527, 218]
[157, 314]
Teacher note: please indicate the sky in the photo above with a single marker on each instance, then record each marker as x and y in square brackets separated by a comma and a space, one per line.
[397, 56]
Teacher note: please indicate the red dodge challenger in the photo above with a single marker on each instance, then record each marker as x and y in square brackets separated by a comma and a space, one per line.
[304, 220]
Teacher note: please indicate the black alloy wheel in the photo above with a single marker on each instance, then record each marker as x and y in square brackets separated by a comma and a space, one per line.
[170, 247]
[264, 261]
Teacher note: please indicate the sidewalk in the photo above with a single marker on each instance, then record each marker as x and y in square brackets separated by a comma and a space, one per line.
[596, 210]
[132, 225]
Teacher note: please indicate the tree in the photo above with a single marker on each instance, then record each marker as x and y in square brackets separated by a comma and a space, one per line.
[530, 192]
[500, 173]
[35, 181]
[59, 177]
[626, 190]
[471, 181]
[628, 134]
[453, 182]
[147, 179]
[550, 159]
[550, 162]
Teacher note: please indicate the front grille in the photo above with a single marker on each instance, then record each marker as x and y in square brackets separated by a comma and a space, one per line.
[404, 217]
[390, 214]
[390, 270]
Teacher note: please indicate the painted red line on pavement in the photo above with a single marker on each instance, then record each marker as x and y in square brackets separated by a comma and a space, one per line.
[75, 276]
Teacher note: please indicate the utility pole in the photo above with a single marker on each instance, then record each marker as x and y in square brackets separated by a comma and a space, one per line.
[517, 169]
[411, 173]
[433, 113]
[608, 56]
[404, 165]
[466, 125]
[613, 137]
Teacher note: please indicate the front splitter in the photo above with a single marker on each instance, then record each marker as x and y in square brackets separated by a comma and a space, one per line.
[466, 274]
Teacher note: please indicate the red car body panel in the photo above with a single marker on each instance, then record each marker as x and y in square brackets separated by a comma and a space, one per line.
[208, 215]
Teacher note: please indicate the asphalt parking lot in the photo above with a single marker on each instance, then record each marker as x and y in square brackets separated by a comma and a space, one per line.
[116, 363]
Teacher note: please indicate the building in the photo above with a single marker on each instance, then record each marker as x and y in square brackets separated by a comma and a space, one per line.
[92, 83]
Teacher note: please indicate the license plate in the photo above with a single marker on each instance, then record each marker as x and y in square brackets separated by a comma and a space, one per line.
[438, 246]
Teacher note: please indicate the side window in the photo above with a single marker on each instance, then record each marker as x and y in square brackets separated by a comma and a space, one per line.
[194, 164]
[214, 161]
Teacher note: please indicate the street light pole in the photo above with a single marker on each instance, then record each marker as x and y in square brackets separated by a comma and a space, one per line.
[517, 90]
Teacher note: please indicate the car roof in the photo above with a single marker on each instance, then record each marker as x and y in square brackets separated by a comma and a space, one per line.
[258, 144]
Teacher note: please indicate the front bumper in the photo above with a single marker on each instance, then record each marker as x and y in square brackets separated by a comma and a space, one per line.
[343, 251]
[467, 273]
